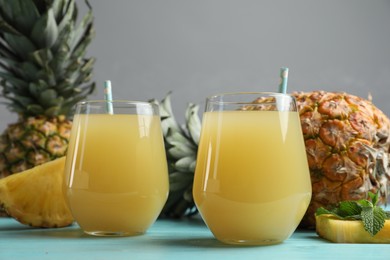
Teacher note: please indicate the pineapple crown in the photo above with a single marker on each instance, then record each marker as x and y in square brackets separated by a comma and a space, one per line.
[181, 144]
[42, 66]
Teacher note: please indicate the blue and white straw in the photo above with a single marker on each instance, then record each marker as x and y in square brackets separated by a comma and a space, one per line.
[283, 80]
[108, 96]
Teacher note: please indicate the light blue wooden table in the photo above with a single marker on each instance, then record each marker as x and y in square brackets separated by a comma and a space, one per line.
[167, 239]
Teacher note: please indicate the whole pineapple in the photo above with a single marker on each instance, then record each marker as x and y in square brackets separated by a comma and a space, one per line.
[43, 74]
[347, 144]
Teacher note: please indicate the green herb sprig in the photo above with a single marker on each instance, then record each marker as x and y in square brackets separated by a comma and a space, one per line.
[372, 216]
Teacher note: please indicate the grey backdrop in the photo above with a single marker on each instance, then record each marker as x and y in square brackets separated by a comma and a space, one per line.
[201, 47]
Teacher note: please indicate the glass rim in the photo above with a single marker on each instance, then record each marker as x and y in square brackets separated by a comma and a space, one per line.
[118, 101]
[214, 98]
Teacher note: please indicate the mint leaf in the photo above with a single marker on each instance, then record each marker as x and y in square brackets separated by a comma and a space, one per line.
[336, 213]
[379, 218]
[365, 203]
[373, 219]
[374, 197]
[321, 211]
[349, 208]
[345, 210]
[368, 219]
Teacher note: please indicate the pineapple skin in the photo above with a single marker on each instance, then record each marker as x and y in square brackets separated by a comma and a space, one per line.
[349, 231]
[32, 142]
[347, 145]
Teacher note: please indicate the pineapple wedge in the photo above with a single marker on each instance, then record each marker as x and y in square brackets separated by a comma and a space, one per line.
[349, 231]
[34, 197]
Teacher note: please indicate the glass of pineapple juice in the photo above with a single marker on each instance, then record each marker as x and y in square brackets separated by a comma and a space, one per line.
[116, 176]
[252, 184]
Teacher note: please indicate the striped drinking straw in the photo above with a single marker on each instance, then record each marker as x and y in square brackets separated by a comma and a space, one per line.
[282, 88]
[283, 80]
[108, 96]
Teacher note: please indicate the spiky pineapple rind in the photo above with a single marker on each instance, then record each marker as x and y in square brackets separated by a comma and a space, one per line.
[347, 143]
[41, 140]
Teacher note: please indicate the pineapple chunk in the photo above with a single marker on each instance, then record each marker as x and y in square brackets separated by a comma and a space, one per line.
[34, 197]
[349, 231]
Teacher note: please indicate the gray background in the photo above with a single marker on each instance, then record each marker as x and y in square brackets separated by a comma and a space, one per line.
[199, 48]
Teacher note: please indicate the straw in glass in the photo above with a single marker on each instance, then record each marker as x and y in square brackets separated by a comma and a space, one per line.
[283, 80]
[108, 96]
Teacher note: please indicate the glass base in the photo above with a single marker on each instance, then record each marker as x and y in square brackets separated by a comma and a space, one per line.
[243, 242]
[113, 233]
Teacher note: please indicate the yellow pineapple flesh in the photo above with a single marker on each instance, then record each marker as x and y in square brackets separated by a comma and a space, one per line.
[34, 197]
[337, 230]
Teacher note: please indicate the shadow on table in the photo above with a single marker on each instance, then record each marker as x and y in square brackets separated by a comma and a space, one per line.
[307, 234]
[17, 229]
[204, 242]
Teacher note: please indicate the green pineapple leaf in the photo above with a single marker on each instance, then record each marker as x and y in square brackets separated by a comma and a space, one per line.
[53, 111]
[5, 53]
[5, 27]
[80, 31]
[41, 42]
[169, 121]
[185, 164]
[178, 181]
[47, 97]
[24, 14]
[18, 84]
[41, 57]
[20, 44]
[45, 30]
[181, 149]
[193, 122]
[58, 7]
[35, 109]
[29, 71]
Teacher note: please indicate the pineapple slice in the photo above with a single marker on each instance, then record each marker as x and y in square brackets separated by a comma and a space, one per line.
[349, 231]
[34, 197]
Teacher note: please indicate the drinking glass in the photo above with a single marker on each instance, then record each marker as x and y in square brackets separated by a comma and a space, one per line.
[252, 184]
[116, 177]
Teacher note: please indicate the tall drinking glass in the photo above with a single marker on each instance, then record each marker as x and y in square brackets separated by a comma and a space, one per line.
[252, 184]
[116, 177]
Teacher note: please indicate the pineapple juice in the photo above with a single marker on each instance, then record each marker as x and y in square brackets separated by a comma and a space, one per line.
[252, 178]
[116, 177]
